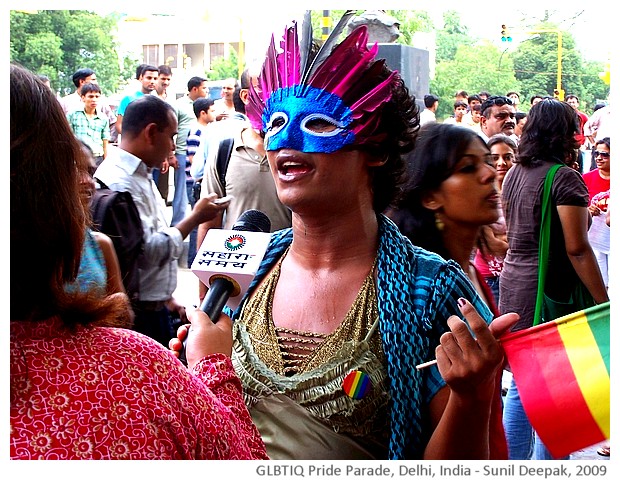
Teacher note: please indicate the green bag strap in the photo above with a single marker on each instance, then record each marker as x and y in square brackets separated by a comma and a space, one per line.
[543, 243]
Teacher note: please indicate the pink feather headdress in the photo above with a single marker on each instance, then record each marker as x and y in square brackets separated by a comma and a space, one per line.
[348, 70]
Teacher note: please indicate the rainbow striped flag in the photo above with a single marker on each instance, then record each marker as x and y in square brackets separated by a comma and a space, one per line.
[561, 369]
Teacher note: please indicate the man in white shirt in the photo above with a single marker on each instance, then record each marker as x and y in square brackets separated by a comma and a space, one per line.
[225, 106]
[431, 102]
[599, 125]
[149, 127]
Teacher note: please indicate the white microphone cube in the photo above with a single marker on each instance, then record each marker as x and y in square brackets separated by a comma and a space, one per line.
[231, 254]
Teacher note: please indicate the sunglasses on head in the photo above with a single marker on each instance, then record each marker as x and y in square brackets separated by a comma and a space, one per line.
[496, 100]
[601, 154]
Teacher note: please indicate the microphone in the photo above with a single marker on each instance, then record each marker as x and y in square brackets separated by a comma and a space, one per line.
[227, 262]
[223, 286]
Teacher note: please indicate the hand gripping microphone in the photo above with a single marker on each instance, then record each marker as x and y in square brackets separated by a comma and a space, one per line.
[227, 262]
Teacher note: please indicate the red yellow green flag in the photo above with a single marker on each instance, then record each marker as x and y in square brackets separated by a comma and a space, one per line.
[561, 369]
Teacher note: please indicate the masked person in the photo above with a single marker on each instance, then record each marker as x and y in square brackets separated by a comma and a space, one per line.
[343, 307]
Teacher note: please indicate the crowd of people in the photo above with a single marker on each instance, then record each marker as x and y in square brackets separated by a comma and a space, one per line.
[397, 241]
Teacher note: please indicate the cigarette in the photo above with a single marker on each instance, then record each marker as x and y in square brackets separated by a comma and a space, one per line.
[425, 364]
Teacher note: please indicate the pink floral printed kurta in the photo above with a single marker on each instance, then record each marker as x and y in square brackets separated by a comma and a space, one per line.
[111, 393]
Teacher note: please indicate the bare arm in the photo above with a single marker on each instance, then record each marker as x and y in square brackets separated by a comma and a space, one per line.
[113, 269]
[496, 242]
[607, 218]
[204, 211]
[574, 222]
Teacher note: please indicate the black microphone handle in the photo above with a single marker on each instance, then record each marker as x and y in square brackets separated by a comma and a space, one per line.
[221, 288]
[216, 298]
[212, 305]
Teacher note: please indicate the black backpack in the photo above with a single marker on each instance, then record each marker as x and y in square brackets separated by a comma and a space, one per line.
[116, 215]
[223, 158]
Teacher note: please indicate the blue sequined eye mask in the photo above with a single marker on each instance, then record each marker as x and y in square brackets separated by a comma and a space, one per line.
[306, 119]
[322, 105]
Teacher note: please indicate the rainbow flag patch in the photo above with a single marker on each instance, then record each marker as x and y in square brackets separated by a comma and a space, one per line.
[356, 384]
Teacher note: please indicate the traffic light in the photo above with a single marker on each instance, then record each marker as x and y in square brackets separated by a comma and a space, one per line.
[505, 35]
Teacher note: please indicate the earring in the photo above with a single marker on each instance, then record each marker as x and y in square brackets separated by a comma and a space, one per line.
[438, 222]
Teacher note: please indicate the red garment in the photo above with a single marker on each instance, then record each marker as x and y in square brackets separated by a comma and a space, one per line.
[595, 183]
[490, 266]
[580, 137]
[111, 393]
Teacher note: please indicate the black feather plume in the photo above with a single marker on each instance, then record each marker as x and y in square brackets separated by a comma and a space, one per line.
[305, 42]
[327, 47]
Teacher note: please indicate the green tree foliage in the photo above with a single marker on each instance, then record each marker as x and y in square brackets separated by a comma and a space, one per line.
[128, 72]
[536, 66]
[224, 68]
[594, 88]
[463, 63]
[473, 68]
[452, 36]
[316, 17]
[59, 42]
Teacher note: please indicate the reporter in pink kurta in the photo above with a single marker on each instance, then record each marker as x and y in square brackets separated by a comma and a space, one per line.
[81, 386]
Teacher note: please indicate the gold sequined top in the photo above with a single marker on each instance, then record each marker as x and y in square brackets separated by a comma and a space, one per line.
[277, 346]
[314, 381]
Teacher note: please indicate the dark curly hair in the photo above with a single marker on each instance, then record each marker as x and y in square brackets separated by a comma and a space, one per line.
[400, 123]
[549, 133]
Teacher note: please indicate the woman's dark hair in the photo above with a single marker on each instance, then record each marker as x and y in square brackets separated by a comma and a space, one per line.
[502, 138]
[604, 141]
[549, 133]
[48, 220]
[438, 149]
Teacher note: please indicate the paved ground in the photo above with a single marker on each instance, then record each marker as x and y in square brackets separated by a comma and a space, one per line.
[589, 453]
